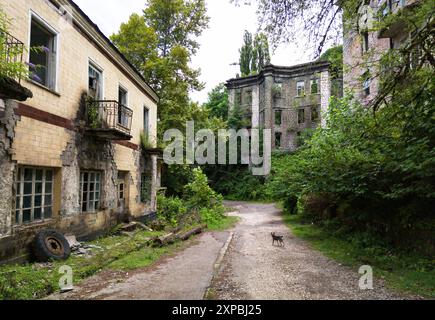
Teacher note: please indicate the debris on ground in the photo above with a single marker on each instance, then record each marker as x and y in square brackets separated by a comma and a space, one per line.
[176, 235]
[81, 248]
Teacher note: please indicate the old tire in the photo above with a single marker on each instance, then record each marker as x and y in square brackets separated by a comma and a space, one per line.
[51, 245]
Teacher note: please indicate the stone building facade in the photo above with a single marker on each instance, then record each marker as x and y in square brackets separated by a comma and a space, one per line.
[363, 45]
[70, 157]
[286, 100]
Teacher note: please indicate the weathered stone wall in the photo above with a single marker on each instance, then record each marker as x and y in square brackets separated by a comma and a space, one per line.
[7, 166]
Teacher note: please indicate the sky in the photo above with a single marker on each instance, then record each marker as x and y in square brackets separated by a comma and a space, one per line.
[219, 44]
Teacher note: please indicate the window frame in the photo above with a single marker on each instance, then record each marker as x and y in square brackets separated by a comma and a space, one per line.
[317, 111]
[21, 182]
[278, 123]
[96, 200]
[299, 118]
[97, 68]
[278, 134]
[146, 124]
[120, 118]
[316, 82]
[33, 16]
[298, 94]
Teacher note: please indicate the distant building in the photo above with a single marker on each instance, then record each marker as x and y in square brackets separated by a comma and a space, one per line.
[287, 100]
[363, 47]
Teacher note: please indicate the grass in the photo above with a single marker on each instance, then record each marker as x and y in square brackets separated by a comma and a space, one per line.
[404, 272]
[35, 281]
[223, 224]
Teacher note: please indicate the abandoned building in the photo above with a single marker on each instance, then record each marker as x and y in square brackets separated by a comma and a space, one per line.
[71, 156]
[287, 100]
[363, 45]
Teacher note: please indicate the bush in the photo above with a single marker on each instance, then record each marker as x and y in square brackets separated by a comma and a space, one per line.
[198, 194]
[170, 209]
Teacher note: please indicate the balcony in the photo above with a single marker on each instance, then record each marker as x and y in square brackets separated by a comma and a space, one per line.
[11, 48]
[392, 7]
[108, 119]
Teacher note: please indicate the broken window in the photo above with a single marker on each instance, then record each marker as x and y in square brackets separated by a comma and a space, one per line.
[300, 88]
[365, 41]
[278, 136]
[42, 58]
[366, 84]
[122, 100]
[314, 86]
[90, 184]
[315, 114]
[34, 194]
[278, 117]
[146, 121]
[145, 187]
[95, 82]
[301, 116]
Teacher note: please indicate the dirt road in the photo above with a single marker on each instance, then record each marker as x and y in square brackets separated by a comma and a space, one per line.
[238, 264]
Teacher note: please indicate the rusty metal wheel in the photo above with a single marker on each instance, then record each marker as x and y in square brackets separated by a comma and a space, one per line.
[51, 245]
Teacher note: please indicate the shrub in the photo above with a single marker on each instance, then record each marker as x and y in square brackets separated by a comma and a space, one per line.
[170, 209]
[198, 194]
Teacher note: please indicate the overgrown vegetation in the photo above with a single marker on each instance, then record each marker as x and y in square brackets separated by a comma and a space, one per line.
[409, 273]
[11, 64]
[198, 204]
[35, 281]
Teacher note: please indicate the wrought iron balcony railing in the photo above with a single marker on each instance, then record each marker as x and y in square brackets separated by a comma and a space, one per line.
[11, 49]
[109, 119]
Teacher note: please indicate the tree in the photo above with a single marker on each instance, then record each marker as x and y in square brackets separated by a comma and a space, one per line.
[246, 54]
[217, 104]
[254, 54]
[160, 44]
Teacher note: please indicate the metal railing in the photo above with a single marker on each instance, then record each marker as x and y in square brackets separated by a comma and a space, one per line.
[11, 49]
[109, 114]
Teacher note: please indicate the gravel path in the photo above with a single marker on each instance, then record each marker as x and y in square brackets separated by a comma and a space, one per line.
[238, 264]
[185, 276]
[254, 269]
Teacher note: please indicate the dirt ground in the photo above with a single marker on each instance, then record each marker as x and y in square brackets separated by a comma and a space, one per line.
[236, 265]
[254, 269]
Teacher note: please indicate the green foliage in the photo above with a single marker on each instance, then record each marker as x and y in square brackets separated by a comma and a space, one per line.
[217, 104]
[170, 209]
[10, 62]
[254, 54]
[93, 114]
[160, 44]
[407, 272]
[145, 141]
[198, 193]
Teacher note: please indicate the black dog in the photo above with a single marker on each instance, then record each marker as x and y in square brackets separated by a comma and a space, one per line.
[278, 239]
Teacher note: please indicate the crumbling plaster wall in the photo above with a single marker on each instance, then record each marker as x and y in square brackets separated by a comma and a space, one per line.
[8, 121]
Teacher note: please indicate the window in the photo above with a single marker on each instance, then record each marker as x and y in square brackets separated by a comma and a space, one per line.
[146, 121]
[300, 88]
[278, 136]
[365, 41]
[238, 98]
[95, 82]
[145, 188]
[43, 59]
[121, 190]
[314, 86]
[248, 96]
[301, 116]
[315, 114]
[34, 194]
[262, 119]
[366, 84]
[90, 184]
[278, 117]
[122, 100]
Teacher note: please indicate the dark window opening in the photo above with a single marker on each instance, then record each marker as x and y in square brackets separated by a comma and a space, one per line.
[278, 136]
[278, 117]
[301, 116]
[122, 100]
[315, 114]
[43, 55]
[95, 85]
